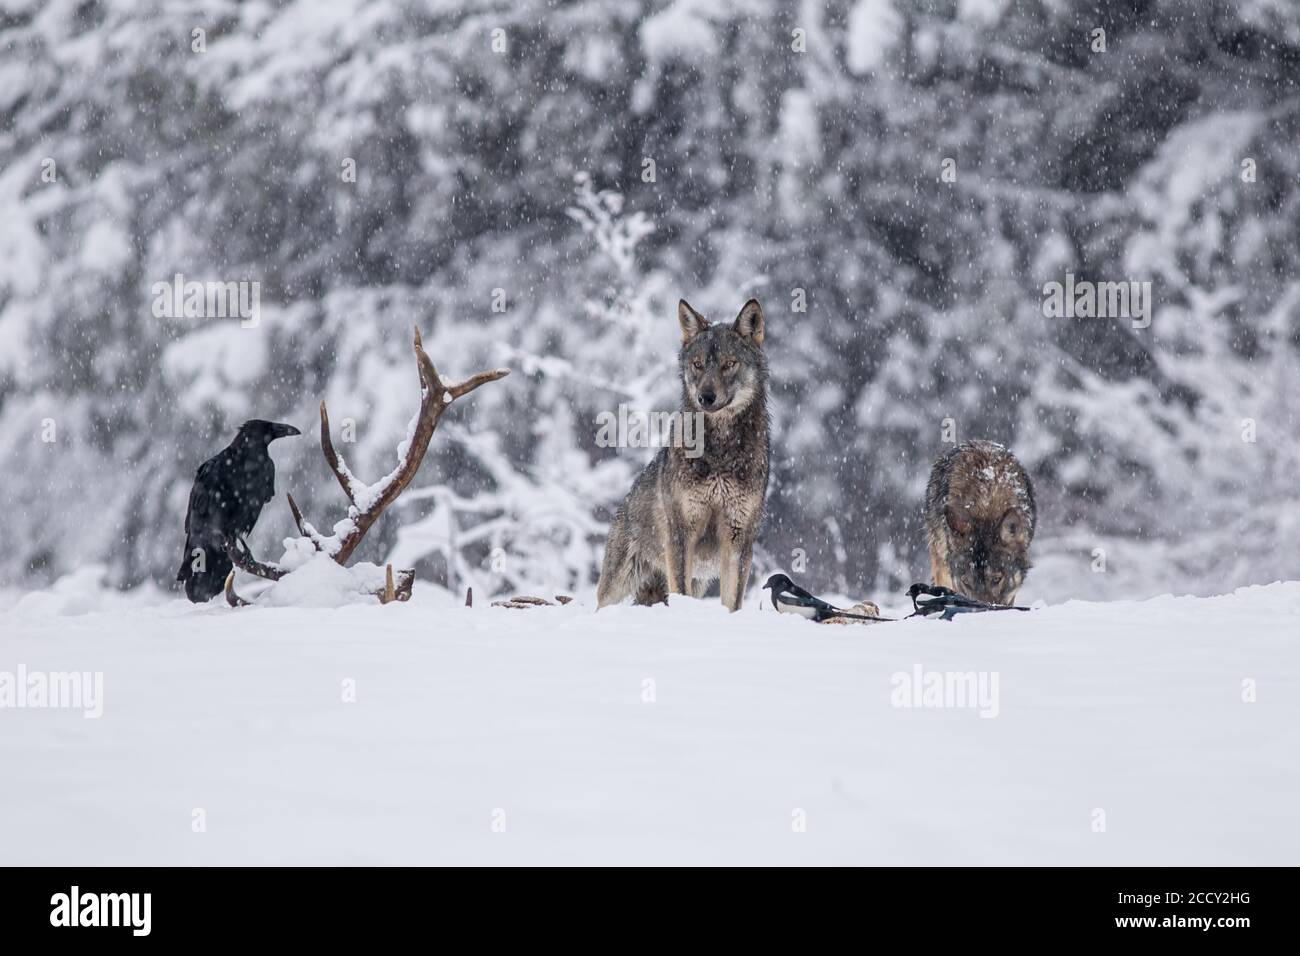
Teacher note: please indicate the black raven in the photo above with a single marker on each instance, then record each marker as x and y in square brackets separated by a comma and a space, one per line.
[229, 491]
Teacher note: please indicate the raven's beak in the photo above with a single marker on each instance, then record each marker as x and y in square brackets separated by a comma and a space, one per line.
[283, 431]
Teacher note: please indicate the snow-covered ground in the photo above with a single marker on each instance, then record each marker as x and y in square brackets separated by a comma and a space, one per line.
[1154, 732]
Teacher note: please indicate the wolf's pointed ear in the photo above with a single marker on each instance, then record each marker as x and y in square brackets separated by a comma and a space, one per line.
[1014, 529]
[750, 322]
[692, 322]
[958, 519]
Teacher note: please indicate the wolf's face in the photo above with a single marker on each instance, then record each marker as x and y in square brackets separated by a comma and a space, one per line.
[989, 562]
[722, 366]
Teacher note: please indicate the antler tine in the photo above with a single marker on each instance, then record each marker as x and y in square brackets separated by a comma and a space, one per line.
[331, 456]
[233, 599]
[297, 515]
[245, 561]
[434, 384]
[429, 378]
[474, 381]
[304, 529]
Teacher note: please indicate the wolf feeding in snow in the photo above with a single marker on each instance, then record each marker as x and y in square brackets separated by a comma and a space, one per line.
[691, 520]
[979, 518]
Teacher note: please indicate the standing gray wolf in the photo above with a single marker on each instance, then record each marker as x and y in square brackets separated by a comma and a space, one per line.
[979, 518]
[690, 520]
[229, 491]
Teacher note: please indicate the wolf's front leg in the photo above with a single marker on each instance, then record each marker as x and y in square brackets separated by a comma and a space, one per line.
[940, 552]
[615, 571]
[677, 554]
[737, 554]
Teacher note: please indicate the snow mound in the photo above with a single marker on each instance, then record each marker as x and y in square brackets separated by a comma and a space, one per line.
[322, 582]
[83, 591]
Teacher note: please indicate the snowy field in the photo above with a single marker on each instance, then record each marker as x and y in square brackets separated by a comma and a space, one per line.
[1118, 733]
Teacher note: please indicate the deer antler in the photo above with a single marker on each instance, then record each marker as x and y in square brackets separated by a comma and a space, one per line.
[242, 558]
[304, 527]
[233, 599]
[367, 502]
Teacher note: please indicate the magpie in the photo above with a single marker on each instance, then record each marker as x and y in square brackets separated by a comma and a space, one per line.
[789, 598]
[229, 491]
[930, 599]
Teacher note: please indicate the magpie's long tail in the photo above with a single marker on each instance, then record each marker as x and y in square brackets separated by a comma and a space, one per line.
[859, 617]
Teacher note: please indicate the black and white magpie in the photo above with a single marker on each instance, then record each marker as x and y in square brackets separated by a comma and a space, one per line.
[789, 598]
[931, 599]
